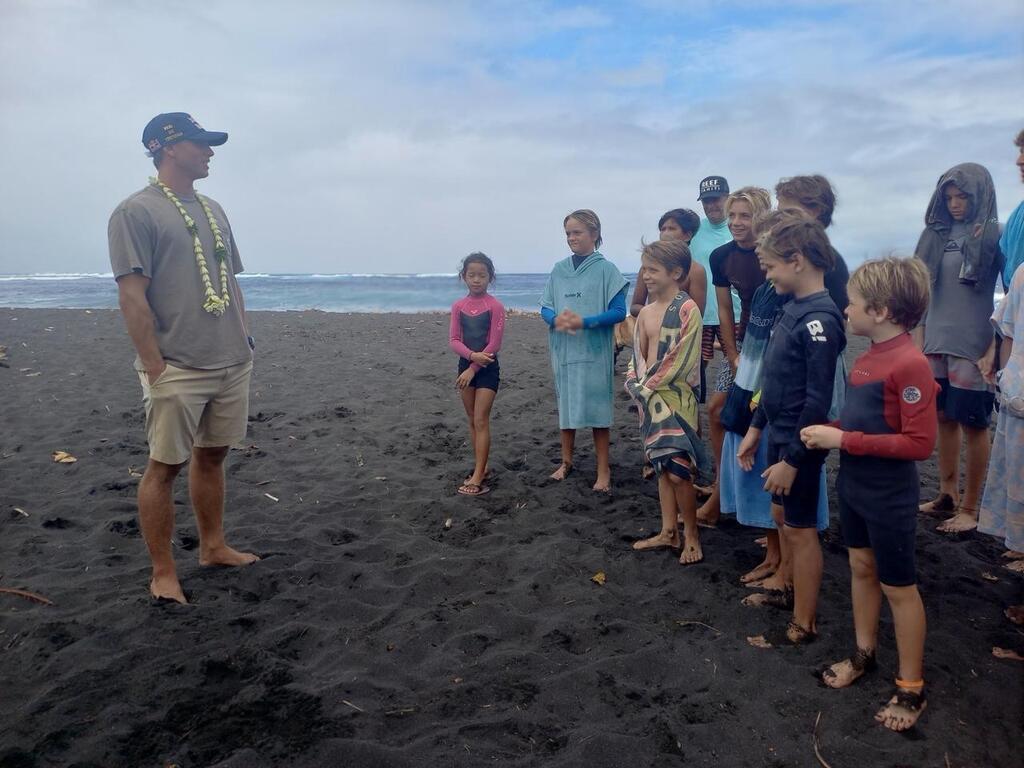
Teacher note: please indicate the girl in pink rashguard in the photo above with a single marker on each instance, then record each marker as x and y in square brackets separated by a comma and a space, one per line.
[478, 321]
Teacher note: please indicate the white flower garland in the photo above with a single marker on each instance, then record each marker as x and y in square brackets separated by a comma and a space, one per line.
[212, 303]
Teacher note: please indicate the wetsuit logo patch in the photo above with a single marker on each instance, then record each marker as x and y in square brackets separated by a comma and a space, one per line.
[817, 330]
[911, 395]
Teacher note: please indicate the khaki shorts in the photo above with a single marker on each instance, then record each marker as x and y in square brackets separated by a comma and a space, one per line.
[188, 407]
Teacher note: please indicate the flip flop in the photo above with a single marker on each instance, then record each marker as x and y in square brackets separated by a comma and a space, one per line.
[472, 489]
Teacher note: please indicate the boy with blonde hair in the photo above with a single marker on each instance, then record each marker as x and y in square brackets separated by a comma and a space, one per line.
[888, 423]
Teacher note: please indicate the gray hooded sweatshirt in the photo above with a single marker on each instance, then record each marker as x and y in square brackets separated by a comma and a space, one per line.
[964, 261]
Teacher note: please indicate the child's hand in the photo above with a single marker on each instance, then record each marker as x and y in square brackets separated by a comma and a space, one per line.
[481, 358]
[778, 478]
[568, 322]
[465, 378]
[987, 364]
[822, 436]
[748, 449]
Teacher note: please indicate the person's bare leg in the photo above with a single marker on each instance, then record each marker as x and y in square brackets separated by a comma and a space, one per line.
[567, 439]
[206, 489]
[686, 506]
[783, 576]
[710, 510]
[866, 594]
[669, 534]
[807, 565]
[949, 469]
[482, 434]
[909, 620]
[602, 447]
[156, 518]
[469, 405]
[768, 566]
[978, 449]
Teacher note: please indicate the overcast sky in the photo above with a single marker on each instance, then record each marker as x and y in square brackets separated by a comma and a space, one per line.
[399, 136]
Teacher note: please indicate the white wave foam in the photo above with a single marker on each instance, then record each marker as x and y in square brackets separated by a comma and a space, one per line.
[58, 276]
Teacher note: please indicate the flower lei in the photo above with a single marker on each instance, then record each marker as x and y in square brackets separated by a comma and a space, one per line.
[212, 303]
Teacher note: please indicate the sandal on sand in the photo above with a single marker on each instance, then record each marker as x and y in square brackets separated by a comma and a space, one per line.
[861, 661]
[472, 489]
[910, 697]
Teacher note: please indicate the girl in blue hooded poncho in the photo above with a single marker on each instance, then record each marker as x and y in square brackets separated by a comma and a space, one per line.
[584, 298]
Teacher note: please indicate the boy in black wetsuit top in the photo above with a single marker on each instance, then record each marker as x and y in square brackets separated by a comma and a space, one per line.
[796, 392]
[888, 423]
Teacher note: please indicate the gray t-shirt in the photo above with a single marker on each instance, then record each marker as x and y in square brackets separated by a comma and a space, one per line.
[148, 236]
[957, 322]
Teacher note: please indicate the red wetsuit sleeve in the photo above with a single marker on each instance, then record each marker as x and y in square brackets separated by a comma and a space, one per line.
[910, 391]
[455, 332]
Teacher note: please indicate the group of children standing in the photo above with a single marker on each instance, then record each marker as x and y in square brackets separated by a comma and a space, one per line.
[781, 399]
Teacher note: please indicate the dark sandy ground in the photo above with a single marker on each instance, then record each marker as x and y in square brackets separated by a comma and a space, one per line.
[371, 635]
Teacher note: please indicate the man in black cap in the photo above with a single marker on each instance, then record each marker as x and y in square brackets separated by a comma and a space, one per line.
[174, 257]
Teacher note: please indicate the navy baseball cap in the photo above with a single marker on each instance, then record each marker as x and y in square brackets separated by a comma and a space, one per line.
[713, 186]
[171, 127]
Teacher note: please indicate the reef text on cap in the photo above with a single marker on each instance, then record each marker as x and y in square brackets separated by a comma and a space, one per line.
[713, 186]
[171, 127]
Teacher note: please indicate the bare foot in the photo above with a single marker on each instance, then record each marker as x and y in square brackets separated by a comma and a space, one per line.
[764, 570]
[845, 672]
[708, 517]
[692, 553]
[663, 540]
[939, 505]
[761, 541]
[226, 556]
[167, 588]
[780, 600]
[773, 583]
[1017, 566]
[603, 484]
[1015, 613]
[562, 472]
[1006, 653]
[1012, 554]
[961, 522]
[472, 480]
[902, 711]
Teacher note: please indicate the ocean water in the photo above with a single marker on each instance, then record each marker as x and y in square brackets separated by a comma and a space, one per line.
[331, 293]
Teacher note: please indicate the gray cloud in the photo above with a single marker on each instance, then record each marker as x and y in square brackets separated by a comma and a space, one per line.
[400, 136]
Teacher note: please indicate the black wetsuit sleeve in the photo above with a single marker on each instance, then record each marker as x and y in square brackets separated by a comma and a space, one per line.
[822, 340]
[760, 418]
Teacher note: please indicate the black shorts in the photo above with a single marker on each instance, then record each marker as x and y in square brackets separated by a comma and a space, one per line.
[801, 505]
[487, 377]
[891, 538]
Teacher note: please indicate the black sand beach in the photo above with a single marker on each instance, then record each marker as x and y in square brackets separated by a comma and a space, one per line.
[373, 635]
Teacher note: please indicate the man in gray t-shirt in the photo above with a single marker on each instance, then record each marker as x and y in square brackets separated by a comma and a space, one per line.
[174, 257]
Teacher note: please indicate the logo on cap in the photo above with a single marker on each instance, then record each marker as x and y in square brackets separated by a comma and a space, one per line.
[710, 185]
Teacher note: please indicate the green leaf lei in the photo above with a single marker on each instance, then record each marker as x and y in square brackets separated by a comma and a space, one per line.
[212, 303]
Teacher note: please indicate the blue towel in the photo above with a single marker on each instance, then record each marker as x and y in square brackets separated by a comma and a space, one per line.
[583, 363]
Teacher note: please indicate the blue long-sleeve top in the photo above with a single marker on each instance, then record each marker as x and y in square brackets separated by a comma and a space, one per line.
[615, 313]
